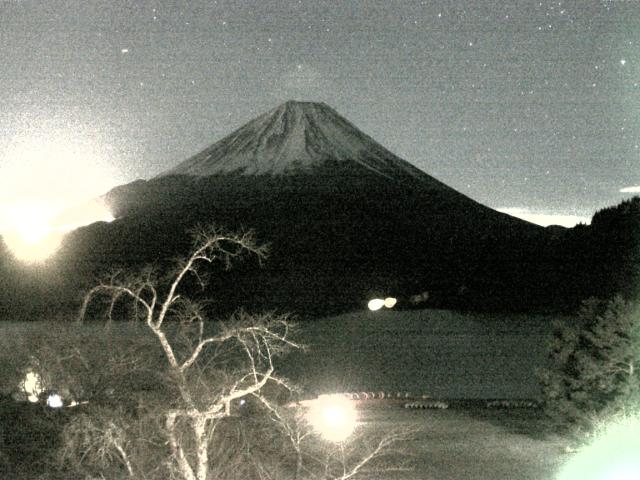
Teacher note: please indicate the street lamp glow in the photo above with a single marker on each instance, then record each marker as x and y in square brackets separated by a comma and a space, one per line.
[390, 302]
[333, 416]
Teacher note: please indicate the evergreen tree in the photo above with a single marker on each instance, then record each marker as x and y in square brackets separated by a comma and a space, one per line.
[593, 368]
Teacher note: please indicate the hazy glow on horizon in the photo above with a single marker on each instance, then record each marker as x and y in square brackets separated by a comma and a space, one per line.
[43, 180]
[545, 219]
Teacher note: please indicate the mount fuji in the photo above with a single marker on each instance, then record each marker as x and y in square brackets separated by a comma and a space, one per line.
[296, 138]
[346, 220]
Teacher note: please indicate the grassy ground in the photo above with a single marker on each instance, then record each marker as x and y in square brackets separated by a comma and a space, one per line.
[471, 444]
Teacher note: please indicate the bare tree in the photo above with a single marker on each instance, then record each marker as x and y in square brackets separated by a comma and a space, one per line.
[169, 396]
[209, 368]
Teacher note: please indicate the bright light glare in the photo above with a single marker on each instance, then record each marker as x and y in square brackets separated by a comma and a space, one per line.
[27, 232]
[56, 166]
[333, 416]
[31, 222]
[615, 455]
[375, 304]
[390, 302]
[82, 214]
[54, 401]
[34, 232]
[42, 176]
[32, 386]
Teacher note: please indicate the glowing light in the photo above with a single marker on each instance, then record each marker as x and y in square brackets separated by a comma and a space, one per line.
[390, 302]
[27, 232]
[32, 386]
[375, 304]
[634, 189]
[82, 214]
[54, 401]
[333, 416]
[43, 176]
[614, 455]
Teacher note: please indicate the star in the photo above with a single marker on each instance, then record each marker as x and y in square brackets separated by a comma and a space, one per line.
[623, 62]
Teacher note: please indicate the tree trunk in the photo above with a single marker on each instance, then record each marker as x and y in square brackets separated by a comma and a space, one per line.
[298, 464]
[200, 430]
[178, 453]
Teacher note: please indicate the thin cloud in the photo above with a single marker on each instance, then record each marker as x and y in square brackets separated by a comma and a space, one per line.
[543, 218]
[634, 189]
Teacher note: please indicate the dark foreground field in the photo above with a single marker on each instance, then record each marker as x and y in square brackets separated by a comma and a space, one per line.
[470, 443]
[441, 354]
[463, 443]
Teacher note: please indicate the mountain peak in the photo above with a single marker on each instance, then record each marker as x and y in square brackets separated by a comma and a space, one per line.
[296, 137]
[301, 104]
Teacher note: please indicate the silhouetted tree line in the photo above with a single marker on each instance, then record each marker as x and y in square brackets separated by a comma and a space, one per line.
[326, 258]
[592, 374]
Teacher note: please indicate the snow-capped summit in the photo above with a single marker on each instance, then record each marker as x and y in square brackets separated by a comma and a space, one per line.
[295, 138]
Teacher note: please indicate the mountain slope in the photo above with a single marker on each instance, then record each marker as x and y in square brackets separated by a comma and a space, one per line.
[346, 219]
[296, 138]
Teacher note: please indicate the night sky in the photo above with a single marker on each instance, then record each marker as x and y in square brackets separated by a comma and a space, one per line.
[522, 105]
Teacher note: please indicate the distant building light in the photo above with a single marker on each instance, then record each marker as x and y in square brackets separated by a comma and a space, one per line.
[54, 401]
[375, 304]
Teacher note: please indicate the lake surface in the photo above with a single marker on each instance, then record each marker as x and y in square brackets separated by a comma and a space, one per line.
[430, 352]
